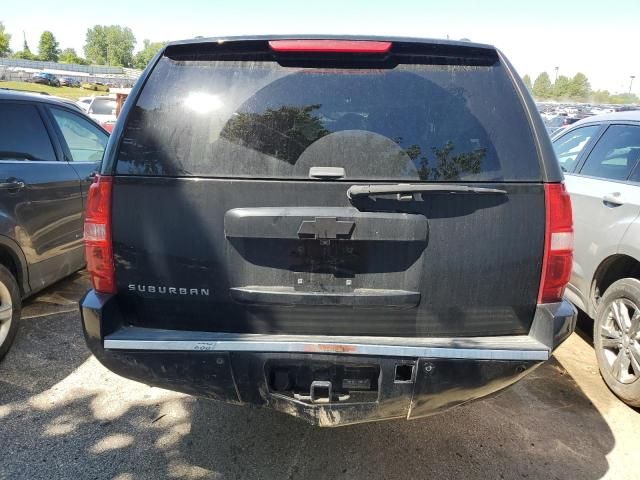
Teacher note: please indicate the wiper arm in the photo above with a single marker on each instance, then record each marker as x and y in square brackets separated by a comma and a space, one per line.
[402, 188]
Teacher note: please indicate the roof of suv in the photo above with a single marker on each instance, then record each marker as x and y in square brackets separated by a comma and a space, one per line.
[6, 94]
[630, 115]
[462, 43]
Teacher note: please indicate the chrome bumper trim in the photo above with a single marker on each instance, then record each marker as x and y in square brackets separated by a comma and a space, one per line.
[535, 354]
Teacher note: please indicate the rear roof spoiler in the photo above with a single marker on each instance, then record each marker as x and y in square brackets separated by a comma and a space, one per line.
[394, 39]
[404, 50]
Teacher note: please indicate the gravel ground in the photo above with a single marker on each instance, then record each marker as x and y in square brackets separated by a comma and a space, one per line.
[62, 415]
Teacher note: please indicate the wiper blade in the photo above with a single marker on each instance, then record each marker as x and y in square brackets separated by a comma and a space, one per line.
[401, 188]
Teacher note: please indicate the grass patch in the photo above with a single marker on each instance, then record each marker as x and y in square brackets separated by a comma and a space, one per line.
[64, 92]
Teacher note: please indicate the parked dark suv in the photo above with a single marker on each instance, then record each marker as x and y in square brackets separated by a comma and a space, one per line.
[339, 229]
[48, 150]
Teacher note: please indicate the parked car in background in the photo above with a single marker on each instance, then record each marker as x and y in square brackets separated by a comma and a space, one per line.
[553, 123]
[101, 108]
[556, 123]
[49, 150]
[45, 79]
[69, 82]
[600, 156]
[341, 230]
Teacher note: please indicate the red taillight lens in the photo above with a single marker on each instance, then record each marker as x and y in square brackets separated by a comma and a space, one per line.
[558, 244]
[97, 236]
[330, 46]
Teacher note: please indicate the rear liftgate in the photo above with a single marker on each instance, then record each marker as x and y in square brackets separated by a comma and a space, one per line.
[330, 245]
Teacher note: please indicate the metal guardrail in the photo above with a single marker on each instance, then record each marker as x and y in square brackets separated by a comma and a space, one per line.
[13, 76]
[73, 67]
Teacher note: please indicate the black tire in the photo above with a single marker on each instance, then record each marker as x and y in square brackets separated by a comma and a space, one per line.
[625, 380]
[8, 283]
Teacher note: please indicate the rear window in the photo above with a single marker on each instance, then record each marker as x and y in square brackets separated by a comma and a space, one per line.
[259, 119]
[22, 134]
[103, 107]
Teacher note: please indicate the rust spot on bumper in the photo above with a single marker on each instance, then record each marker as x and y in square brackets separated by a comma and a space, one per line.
[333, 348]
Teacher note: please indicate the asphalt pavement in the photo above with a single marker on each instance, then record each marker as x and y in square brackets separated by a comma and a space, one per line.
[64, 416]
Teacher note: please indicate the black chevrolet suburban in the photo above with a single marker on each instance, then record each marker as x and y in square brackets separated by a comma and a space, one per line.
[341, 229]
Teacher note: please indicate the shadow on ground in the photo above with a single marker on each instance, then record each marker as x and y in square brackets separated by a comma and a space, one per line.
[62, 415]
[95, 425]
[584, 327]
[49, 345]
[543, 428]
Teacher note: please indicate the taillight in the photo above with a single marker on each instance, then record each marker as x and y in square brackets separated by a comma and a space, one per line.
[330, 46]
[97, 235]
[558, 244]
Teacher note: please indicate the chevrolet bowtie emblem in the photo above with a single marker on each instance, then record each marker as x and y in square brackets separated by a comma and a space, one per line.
[326, 228]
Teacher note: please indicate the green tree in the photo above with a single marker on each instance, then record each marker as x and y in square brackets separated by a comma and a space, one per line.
[69, 55]
[604, 96]
[110, 45]
[579, 87]
[542, 86]
[601, 96]
[144, 56]
[48, 48]
[95, 47]
[624, 98]
[25, 53]
[298, 128]
[447, 164]
[5, 38]
[561, 88]
[527, 82]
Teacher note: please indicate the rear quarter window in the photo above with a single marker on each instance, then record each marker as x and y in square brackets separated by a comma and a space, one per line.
[23, 135]
[103, 107]
[418, 122]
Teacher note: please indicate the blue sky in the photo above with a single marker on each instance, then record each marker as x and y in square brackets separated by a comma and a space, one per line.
[597, 38]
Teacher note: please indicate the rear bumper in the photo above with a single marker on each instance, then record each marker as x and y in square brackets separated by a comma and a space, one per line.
[439, 373]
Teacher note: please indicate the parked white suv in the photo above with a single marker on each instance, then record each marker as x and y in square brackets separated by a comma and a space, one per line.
[100, 108]
[600, 156]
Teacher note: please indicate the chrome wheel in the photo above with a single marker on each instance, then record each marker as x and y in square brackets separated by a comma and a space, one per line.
[619, 337]
[6, 312]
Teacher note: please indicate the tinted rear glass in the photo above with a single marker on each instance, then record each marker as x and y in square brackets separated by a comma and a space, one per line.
[22, 134]
[103, 107]
[419, 122]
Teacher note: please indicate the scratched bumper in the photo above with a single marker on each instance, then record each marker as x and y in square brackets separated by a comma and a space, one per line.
[239, 371]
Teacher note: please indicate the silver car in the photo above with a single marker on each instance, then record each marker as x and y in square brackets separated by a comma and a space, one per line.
[600, 156]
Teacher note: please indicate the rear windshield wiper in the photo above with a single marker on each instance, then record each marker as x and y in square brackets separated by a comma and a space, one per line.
[407, 188]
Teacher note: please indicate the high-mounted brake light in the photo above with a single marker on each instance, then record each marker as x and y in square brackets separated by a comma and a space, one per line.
[97, 235]
[330, 46]
[558, 244]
